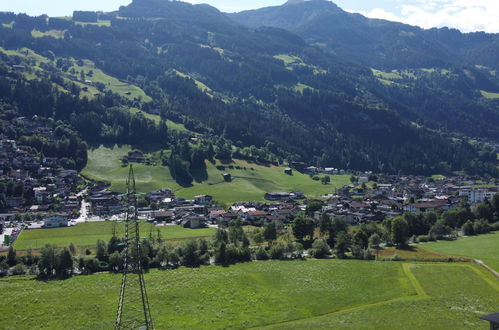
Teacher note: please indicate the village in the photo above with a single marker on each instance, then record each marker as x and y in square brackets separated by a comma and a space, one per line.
[43, 195]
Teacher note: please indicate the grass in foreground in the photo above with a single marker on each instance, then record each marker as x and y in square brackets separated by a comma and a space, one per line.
[87, 234]
[291, 294]
[483, 247]
[450, 296]
[250, 182]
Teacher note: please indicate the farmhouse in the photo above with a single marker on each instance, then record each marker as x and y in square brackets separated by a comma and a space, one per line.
[425, 206]
[163, 216]
[193, 221]
[135, 156]
[277, 196]
[203, 199]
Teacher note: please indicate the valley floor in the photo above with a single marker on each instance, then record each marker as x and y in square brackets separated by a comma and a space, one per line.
[278, 295]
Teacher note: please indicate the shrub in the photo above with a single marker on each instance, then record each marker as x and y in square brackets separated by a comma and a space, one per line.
[19, 269]
[261, 254]
[481, 226]
[494, 226]
[277, 252]
[468, 228]
[320, 249]
[424, 238]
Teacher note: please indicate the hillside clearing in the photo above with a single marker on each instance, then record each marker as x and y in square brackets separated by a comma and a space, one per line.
[250, 181]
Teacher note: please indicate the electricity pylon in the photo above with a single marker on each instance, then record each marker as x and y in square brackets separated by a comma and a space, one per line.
[133, 307]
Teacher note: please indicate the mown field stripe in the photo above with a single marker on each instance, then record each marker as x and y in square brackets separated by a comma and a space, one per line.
[415, 283]
[420, 295]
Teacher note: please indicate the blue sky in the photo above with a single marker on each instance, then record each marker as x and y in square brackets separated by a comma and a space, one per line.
[466, 15]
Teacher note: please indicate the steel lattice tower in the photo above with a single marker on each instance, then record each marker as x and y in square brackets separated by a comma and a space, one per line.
[133, 307]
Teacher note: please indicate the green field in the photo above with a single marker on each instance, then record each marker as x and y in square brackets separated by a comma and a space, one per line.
[250, 182]
[98, 76]
[157, 119]
[87, 234]
[482, 247]
[490, 95]
[284, 295]
[123, 88]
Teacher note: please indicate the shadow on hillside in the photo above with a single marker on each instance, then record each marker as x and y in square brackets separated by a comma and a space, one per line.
[200, 174]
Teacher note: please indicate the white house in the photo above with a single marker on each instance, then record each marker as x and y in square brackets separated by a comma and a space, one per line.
[55, 221]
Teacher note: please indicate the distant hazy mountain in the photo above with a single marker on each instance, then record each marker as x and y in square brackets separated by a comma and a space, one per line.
[373, 42]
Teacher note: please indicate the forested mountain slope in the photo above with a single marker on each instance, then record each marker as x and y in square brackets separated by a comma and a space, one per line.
[236, 86]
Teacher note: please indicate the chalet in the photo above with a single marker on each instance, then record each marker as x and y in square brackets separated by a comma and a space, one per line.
[299, 166]
[105, 203]
[160, 195]
[363, 179]
[288, 171]
[311, 170]
[19, 68]
[213, 215]
[50, 161]
[135, 156]
[163, 216]
[55, 221]
[277, 196]
[14, 201]
[226, 217]
[203, 199]
[42, 195]
[331, 170]
[193, 221]
[429, 206]
[7, 145]
[297, 194]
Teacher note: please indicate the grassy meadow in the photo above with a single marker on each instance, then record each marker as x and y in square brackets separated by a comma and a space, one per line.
[249, 182]
[282, 295]
[98, 76]
[482, 247]
[87, 234]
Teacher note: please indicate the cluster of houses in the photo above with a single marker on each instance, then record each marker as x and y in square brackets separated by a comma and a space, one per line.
[49, 182]
[356, 204]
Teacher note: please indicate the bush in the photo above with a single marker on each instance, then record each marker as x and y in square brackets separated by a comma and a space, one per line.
[481, 226]
[19, 269]
[424, 238]
[468, 228]
[277, 252]
[261, 254]
[494, 226]
[320, 249]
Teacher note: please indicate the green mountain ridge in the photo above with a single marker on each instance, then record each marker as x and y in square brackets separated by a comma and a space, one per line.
[265, 87]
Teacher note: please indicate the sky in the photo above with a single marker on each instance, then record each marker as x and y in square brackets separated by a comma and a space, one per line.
[465, 15]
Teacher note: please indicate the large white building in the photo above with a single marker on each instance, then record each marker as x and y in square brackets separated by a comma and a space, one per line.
[478, 195]
[55, 221]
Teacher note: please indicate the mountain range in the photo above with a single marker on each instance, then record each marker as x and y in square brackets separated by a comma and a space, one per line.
[303, 81]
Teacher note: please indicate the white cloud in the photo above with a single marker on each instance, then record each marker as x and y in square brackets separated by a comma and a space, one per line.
[465, 15]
